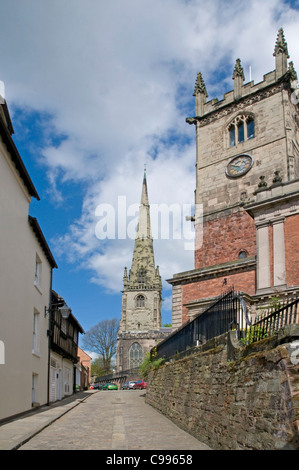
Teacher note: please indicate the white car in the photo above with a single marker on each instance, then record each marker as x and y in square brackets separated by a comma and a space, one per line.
[128, 385]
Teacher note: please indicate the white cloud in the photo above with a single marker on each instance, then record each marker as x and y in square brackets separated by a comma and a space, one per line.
[117, 78]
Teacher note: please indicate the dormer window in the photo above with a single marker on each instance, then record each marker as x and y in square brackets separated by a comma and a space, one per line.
[241, 129]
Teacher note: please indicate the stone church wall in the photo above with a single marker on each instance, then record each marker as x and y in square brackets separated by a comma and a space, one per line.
[234, 398]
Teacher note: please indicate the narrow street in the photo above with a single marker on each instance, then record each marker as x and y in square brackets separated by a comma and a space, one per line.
[113, 420]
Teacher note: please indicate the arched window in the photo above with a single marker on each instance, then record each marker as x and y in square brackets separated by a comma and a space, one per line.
[242, 254]
[140, 301]
[240, 129]
[136, 355]
[232, 136]
[250, 128]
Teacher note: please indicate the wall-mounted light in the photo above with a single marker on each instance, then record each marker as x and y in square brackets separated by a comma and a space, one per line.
[63, 309]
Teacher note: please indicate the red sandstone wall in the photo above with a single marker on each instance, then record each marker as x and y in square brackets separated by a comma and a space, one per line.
[244, 282]
[291, 233]
[224, 238]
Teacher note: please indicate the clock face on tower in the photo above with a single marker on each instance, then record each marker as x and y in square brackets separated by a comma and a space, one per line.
[239, 165]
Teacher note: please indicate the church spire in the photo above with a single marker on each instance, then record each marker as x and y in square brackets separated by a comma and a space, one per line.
[144, 223]
[143, 271]
[142, 285]
[140, 323]
[144, 193]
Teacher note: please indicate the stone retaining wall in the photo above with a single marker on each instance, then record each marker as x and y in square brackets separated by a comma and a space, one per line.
[231, 397]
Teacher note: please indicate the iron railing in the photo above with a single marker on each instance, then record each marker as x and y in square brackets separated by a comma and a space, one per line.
[266, 325]
[227, 312]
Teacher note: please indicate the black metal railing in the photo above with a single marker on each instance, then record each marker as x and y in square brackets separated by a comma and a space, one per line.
[227, 312]
[271, 321]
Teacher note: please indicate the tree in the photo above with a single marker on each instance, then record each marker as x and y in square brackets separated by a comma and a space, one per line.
[97, 367]
[102, 339]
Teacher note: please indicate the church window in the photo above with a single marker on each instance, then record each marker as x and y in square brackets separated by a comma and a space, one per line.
[136, 355]
[232, 136]
[140, 301]
[250, 128]
[241, 129]
[241, 132]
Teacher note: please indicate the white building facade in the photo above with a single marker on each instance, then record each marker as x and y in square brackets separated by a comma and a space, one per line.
[25, 285]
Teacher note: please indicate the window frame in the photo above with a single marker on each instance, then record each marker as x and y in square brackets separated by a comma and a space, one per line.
[38, 273]
[140, 301]
[238, 129]
[133, 361]
[35, 333]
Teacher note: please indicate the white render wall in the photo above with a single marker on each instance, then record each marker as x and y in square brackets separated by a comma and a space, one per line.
[20, 298]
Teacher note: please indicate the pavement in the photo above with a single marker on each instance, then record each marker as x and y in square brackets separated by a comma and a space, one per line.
[95, 420]
[18, 431]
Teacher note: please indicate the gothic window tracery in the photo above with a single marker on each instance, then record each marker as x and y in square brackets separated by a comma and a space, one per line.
[241, 129]
[140, 301]
[136, 355]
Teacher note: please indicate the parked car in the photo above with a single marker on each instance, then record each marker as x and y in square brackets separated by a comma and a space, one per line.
[128, 385]
[109, 386]
[140, 385]
[95, 387]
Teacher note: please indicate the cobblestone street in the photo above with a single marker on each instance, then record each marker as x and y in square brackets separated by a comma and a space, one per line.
[113, 420]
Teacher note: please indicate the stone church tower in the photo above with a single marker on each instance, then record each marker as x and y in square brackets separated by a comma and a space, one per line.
[140, 324]
[247, 183]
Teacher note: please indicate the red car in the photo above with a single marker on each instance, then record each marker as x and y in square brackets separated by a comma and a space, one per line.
[140, 385]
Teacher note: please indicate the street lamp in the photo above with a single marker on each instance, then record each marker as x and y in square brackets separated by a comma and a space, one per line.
[63, 309]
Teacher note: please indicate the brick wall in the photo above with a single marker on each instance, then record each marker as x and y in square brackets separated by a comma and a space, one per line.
[291, 250]
[224, 238]
[244, 281]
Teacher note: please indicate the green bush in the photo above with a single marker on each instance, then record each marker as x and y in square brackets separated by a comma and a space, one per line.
[254, 333]
[149, 365]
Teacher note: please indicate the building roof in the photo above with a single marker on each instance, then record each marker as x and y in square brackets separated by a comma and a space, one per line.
[39, 234]
[57, 299]
[5, 132]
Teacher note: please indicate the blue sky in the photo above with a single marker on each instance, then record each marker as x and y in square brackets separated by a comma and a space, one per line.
[98, 89]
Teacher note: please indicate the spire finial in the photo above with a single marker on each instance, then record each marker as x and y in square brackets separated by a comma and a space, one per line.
[281, 46]
[238, 77]
[144, 171]
[292, 72]
[200, 86]
[238, 71]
